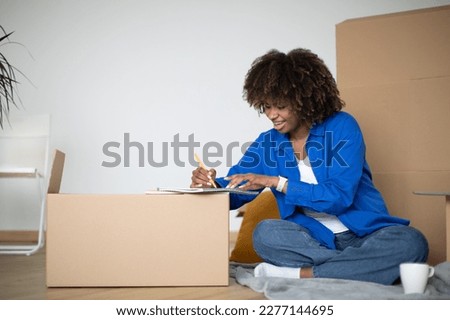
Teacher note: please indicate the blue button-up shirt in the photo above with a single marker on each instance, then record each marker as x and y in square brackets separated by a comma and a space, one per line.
[344, 188]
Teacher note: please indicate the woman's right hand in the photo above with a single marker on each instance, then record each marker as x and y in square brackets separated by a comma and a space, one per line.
[202, 178]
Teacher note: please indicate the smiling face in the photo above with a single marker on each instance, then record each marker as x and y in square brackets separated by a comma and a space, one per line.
[285, 120]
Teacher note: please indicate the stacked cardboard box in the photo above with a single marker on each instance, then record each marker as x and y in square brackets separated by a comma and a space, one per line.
[393, 71]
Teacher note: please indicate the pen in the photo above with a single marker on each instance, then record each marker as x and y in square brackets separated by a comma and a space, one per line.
[201, 164]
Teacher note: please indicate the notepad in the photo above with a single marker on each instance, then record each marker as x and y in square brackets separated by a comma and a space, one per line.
[201, 190]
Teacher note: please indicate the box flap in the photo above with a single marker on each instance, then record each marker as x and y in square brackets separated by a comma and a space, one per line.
[56, 172]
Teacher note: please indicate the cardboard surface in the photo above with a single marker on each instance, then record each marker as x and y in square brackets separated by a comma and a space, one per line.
[394, 47]
[137, 240]
[56, 171]
[428, 214]
[393, 72]
[405, 124]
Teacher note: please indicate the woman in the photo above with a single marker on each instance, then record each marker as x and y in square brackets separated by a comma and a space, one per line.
[334, 222]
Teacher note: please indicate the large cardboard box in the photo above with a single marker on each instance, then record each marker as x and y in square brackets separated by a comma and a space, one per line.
[393, 71]
[136, 240]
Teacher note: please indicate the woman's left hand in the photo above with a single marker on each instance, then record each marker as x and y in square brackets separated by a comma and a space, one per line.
[251, 181]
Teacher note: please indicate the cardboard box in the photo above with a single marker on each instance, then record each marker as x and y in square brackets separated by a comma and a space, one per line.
[391, 48]
[393, 71]
[136, 240]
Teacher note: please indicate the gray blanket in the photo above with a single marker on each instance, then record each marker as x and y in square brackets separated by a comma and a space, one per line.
[438, 287]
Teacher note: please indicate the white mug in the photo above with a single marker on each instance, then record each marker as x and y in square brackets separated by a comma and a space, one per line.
[414, 276]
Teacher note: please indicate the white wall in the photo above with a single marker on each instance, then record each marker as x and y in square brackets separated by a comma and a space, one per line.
[157, 68]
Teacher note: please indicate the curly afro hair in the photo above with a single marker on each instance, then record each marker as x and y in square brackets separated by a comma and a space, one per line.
[299, 79]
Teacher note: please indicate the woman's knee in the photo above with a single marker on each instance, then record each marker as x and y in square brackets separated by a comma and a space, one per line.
[276, 234]
[418, 245]
[412, 243]
[262, 232]
[270, 235]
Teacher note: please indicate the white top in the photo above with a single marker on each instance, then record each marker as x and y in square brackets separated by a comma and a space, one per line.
[328, 220]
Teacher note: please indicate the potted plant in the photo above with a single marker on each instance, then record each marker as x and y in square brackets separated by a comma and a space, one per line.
[8, 80]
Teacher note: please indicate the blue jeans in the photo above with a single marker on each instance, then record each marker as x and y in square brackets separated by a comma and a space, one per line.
[374, 257]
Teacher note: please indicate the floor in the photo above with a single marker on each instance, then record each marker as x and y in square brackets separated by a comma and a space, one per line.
[23, 278]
